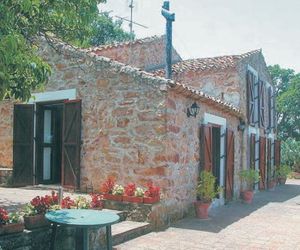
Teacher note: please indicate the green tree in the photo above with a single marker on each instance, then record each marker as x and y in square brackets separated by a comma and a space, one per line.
[105, 30]
[287, 85]
[21, 70]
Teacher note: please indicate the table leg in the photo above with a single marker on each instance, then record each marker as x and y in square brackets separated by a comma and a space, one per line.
[85, 239]
[108, 237]
[53, 236]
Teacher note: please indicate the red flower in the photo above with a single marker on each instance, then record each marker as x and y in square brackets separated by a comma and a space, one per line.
[130, 189]
[96, 200]
[42, 203]
[152, 191]
[4, 217]
[108, 185]
[67, 203]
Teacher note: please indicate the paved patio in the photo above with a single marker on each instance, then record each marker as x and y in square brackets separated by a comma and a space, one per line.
[271, 222]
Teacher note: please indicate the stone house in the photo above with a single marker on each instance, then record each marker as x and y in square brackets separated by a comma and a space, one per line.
[108, 111]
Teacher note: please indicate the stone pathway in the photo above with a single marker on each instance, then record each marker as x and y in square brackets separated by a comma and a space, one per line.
[271, 222]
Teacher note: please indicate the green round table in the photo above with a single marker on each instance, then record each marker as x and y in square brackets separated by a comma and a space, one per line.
[85, 219]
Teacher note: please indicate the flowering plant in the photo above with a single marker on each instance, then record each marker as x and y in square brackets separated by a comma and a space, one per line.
[82, 202]
[41, 204]
[96, 201]
[152, 191]
[108, 185]
[68, 203]
[4, 217]
[118, 190]
[130, 189]
[139, 192]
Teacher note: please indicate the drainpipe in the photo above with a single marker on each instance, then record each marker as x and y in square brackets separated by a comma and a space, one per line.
[170, 18]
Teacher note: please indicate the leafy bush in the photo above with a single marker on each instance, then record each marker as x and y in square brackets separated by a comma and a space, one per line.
[290, 154]
[283, 171]
[206, 189]
[250, 176]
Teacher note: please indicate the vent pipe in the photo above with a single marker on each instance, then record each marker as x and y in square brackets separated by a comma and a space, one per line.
[170, 18]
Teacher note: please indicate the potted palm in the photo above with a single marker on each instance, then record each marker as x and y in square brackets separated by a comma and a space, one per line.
[250, 177]
[10, 222]
[282, 172]
[206, 192]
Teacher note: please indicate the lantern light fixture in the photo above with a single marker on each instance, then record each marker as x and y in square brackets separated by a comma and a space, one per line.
[193, 110]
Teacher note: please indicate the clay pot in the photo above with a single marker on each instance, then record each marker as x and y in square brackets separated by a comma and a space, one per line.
[36, 221]
[201, 209]
[247, 196]
[151, 200]
[271, 185]
[134, 199]
[113, 197]
[282, 180]
[11, 228]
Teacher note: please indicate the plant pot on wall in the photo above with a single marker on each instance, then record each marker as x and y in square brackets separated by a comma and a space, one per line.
[11, 228]
[247, 196]
[201, 209]
[134, 199]
[35, 221]
[151, 200]
[113, 197]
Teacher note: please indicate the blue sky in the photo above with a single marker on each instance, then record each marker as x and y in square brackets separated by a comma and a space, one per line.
[205, 28]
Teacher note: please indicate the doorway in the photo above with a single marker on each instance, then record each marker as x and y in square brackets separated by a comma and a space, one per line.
[216, 153]
[49, 143]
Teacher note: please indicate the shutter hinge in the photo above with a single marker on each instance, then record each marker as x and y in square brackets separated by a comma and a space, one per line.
[223, 135]
[222, 156]
[257, 159]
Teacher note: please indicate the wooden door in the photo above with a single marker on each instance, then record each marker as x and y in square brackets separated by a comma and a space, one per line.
[206, 147]
[262, 163]
[252, 151]
[23, 144]
[229, 164]
[71, 144]
[277, 152]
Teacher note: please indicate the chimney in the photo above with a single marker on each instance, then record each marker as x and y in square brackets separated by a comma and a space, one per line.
[170, 18]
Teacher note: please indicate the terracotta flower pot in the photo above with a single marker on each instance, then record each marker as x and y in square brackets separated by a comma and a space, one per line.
[247, 196]
[113, 197]
[11, 228]
[282, 180]
[151, 200]
[133, 199]
[36, 221]
[201, 209]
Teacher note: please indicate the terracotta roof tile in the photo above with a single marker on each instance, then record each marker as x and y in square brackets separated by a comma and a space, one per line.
[210, 63]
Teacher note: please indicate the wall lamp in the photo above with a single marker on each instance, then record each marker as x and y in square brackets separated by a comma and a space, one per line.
[193, 110]
[242, 125]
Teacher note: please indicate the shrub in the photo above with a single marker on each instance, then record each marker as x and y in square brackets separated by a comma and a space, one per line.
[206, 189]
[290, 154]
[250, 176]
[283, 171]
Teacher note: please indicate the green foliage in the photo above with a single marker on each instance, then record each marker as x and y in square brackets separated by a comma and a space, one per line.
[290, 154]
[250, 176]
[206, 189]
[283, 171]
[15, 217]
[105, 30]
[287, 86]
[21, 71]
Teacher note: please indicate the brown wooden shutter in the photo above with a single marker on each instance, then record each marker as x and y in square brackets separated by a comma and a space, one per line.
[252, 151]
[206, 147]
[71, 144]
[229, 164]
[270, 171]
[250, 97]
[261, 104]
[262, 163]
[23, 144]
[277, 152]
[270, 108]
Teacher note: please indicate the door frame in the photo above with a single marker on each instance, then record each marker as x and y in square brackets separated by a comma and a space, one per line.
[46, 97]
[220, 122]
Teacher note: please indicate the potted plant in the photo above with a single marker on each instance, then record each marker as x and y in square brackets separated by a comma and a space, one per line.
[250, 176]
[206, 192]
[68, 203]
[152, 194]
[117, 193]
[34, 214]
[130, 194]
[96, 202]
[10, 222]
[107, 188]
[282, 172]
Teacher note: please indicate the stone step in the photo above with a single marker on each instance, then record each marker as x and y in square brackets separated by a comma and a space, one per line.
[128, 230]
[122, 214]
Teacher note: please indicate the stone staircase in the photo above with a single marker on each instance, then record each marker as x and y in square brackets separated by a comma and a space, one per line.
[127, 230]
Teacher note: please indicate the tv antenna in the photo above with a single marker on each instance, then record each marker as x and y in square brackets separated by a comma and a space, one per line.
[131, 22]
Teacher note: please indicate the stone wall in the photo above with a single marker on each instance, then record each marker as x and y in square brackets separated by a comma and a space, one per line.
[220, 83]
[6, 134]
[147, 54]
